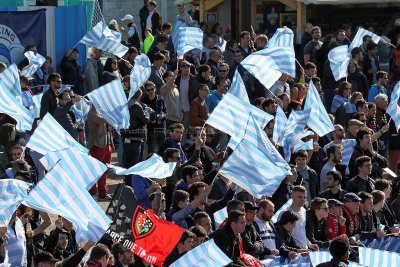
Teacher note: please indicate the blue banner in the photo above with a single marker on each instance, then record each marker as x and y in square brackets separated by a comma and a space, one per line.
[18, 29]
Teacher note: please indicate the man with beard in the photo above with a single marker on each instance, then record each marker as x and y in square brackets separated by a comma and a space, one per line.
[335, 156]
[333, 179]
[122, 256]
[265, 228]
[49, 98]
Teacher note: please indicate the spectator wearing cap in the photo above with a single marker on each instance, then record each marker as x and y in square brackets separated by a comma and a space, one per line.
[364, 148]
[44, 259]
[363, 181]
[350, 213]
[333, 191]
[122, 256]
[340, 251]
[93, 71]
[369, 228]
[62, 225]
[352, 129]
[336, 223]
[316, 230]
[132, 34]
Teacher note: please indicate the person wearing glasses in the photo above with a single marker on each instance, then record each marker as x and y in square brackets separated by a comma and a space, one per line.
[216, 95]
[49, 98]
[111, 72]
[316, 222]
[64, 115]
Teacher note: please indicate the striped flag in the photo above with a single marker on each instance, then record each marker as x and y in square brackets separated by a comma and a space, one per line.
[81, 109]
[292, 140]
[84, 167]
[282, 209]
[357, 41]
[11, 106]
[348, 146]
[117, 35]
[60, 192]
[393, 108]
[318, 257]
[237, 87]
[339, 61]
[10, 78]
[268, 64]
[338, 101]
[12, 193]
[50, 136]
[350, 108]
[35, 62]
[189, 38]
[309, 145]
[111, 104]
[255, 165]
[101, 37]
[296, 123]
[27, 99]
[319, 120]
[283, 37]
[207, 254]
[140, 73]
[154, 167]
[280, 123]
[37, 99]
[296, 265]
[220, 216]
[231, 116]
[175, 32]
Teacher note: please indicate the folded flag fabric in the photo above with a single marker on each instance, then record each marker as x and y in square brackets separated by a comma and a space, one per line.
[207, 254]
[303, 145]
[282, 209]
[27, 99]
[376, 257]
[60, 192]
[280, 123]
[296, 123]
[339, 61]
[140, 73]
[357, 41]
[175, 32]
[101, 37]
[84, 167]
[255, 165]
[350, 108]
[140, 230]
[220, 216]
[294, 139]
[237, 87]
[189, 38]
[318, 257]
[12, 193]
[111, 104]
[319, 120]
[154, 167]
[338, 101]
[393, 108]
[231, 116]
[81, 109]
[14, 108]
[10, 78]
[117, 35]
[283, 37]
[37, 99]
[50, 136]
[35, 62]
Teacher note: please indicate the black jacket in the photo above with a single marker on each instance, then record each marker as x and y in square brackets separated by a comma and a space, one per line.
[138, 121]
[229, 243]
[316, 231]
[368, 225]
[367, 66]
[334, 262]
[312, 180]
[282, 194]
[357, 184]
[206, 155]
[285, 241]
[252, 242]
[327, 194]
[71, 73]
[379, 162]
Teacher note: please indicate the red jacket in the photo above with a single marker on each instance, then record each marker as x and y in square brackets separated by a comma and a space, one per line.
[334, 228]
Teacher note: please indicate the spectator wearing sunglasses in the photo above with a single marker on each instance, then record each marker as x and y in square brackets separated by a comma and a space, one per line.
[216, 95]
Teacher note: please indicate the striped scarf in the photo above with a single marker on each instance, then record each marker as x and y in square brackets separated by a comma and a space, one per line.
[337, 102]
[353, 219]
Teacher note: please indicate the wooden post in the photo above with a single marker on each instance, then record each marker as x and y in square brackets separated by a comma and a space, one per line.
[301, 16]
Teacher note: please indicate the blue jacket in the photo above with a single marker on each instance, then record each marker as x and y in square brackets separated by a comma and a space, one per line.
[213, 100]
[374, 91]
[139, 185]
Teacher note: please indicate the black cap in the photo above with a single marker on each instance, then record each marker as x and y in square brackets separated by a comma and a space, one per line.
[250, 206]
[44, 256]
[351, 197]
[334, 203]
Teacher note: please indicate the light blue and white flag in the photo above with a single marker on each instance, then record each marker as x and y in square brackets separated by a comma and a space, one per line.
[295, 124]
[12, 193]
[111, 104]
[35, 62]
[231, 116]
[338, 101]
[189, 38]
[292, 140]
[50, 136]
[237, 87]
[140, 73]
[37, 99]
[175, 32]
[220, 216]
[14, 108]
[350, 108]
[207, 254]
[154, 167]
[255, 165]
[393, 108]
[27, 99]
[280, 123]
[60, 192]
[84, 167]
[318, 257]
[117, 35]
[348, 147]
[282, 209]
[283, 37]
[81, 109]
[296, 265]
[309, 145]
[10, 78]
[268, 64]
[339, 61]
[101, 37]
[357, 41]
[319, 120]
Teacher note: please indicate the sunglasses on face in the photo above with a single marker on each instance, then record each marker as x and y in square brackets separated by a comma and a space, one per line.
[222, 70]
[149, 90]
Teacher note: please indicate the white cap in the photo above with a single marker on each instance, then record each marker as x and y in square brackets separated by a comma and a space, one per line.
[127, 16]
[397, 22]
[112, 22]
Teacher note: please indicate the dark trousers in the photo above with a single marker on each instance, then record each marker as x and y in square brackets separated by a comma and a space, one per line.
[155, 138]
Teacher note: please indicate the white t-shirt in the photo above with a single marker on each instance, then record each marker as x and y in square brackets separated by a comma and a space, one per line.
[299, 232]
[148, 21]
